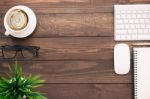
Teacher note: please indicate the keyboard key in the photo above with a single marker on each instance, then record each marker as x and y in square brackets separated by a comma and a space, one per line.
[128, 37]
[148, 26]
[119, 26]
[142, 26]
[143, 16]
[123, 37]
[127, 26]
[130, 31]
[123, 16]
[137, 26]
[140, 31]
[140, 12]
[132, 26]
[141, 20]
[141, 37]
[125, 21]
[134, 12]
[128, 16]
[147, 21]
[119, 21]
[122, 12]
[117, 37]
[145, 12]
[145, 31]
[139, 16]
[129, 12]
[136, 21]
[119, 31]
[118, 16]
[134, 37]
[131, 21]
[133, 16]
[135, 31]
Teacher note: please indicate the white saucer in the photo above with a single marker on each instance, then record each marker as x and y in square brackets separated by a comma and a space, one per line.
[32, 22]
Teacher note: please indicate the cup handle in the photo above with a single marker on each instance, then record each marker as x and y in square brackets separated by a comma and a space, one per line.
[7, 33]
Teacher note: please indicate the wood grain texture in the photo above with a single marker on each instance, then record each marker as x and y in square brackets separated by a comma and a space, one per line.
[64, 6]
[50, 25]
[70, 48]
[99, 24]
[88, 91]
[73, 71]
[71, 25]
[140, 1]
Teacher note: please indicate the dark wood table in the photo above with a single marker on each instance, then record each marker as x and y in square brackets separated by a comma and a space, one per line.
[76, 55]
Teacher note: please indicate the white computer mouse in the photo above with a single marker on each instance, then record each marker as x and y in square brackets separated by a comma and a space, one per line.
[121, 58]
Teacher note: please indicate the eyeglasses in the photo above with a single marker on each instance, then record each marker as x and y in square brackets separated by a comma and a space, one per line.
[11, 51]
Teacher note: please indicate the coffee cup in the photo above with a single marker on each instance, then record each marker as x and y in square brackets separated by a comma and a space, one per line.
[20, 21]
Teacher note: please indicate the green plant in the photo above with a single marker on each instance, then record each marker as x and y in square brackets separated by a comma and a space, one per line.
[17, 86]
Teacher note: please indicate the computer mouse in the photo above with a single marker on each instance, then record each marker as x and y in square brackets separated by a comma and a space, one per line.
[121, 58]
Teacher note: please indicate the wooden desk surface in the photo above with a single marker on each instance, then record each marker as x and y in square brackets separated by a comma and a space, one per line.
[76, 56]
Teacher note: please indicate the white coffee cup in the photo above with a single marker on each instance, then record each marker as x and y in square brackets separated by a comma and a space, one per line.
[28, 29]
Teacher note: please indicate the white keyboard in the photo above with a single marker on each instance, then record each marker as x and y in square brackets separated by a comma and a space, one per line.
[131, 22]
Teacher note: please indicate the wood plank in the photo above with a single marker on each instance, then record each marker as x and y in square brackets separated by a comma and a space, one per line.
[72, 48]
[69, 48]
[52, 25]
[61, 3]
[75, 25]
[63, 10]
[64, 6]
[72, 71]
[140, 1]
[88, 91]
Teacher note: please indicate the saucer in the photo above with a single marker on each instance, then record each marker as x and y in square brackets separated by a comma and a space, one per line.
[32, 22]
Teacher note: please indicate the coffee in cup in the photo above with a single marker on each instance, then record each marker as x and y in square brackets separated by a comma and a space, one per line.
[17, 20]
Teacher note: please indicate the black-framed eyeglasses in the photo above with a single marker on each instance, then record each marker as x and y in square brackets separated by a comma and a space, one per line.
[11, 51]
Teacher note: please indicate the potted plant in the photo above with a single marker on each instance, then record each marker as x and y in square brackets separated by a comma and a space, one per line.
[17, 86]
